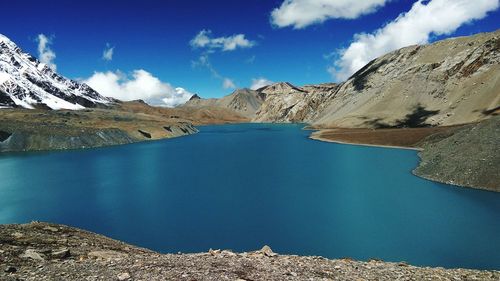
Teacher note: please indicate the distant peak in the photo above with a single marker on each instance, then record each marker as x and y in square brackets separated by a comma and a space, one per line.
[194, 97]
[282, 87]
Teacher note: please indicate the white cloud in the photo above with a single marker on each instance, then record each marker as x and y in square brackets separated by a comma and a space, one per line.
[107, 54]
[204, 40]
[141, 85]
[425, 18]
[302, 13]
[204, 61]
[45, 54]
[228, 84]
[259, 83]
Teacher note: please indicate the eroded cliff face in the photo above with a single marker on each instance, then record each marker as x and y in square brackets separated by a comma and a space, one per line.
[449, 82]
[286, 103]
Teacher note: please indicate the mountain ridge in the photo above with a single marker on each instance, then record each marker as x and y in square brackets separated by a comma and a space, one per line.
[28, 83]
[449, 82]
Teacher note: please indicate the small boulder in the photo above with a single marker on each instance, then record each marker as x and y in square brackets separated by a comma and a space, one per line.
[123, 276]
[51, 228]
[60, 254]
[32, 254]
[266, 250]
[107, 255]
[10, 269]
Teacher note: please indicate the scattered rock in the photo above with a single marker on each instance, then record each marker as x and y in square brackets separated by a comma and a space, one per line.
[61, 254]
[10, 269]
[95, 257]
[266, 250]
[106, 255]
[32, 254]
[51, 228]
[17, 235]
[123, 276]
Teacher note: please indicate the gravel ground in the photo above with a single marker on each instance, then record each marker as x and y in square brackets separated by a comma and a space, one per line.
[42, 251]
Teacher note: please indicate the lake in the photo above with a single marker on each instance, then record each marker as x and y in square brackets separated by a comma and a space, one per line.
[243, 186]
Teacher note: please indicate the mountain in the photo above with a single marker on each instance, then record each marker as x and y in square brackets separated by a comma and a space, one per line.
[285, 102]
[26, 82]
[245, 102]
[449, 82]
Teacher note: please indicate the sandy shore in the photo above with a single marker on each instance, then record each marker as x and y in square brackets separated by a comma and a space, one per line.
[404, 138]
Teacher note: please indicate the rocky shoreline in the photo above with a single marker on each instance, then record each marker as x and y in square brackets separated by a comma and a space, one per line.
[464, 157]
[458, 155]
[43, 251]
[38, 130]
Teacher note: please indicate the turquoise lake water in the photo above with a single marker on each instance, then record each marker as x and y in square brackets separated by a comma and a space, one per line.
[244, 186]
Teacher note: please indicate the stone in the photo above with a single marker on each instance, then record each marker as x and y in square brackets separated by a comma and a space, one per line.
[10, 269]
[107, 255]
[123, 276]
[266, 250]
[61, 254]
[51, 228]
[32, 254]
[228, 253]
[17, 235]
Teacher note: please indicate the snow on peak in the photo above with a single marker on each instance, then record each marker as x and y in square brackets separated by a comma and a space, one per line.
[26, 82]
[7, 41]
[3, 38]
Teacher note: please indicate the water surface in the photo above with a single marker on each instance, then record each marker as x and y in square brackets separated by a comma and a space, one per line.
[243, 186]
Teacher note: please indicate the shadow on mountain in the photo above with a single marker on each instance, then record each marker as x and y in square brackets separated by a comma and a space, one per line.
[361, 76]
[4, 136]
[490, 112]
[416, 119]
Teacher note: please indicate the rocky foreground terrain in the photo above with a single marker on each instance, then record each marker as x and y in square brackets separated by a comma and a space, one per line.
[42, 251]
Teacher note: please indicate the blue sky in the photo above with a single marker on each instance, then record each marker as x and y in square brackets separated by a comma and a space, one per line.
[157, 37]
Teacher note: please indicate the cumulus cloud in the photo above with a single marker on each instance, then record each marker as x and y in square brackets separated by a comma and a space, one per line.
[205, 40]
[425, 18]
[107, 53]
[302, 13]
[140, 85]
[45, 53]
[259, 83]
[228, 84]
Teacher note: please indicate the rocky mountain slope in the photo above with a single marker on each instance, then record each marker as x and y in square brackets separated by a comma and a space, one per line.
[285, 102]
[30, 130]
[41, 251]
[36, 113]
[27, 83]
[119, 123]
[242, 101]
[449, 82]
[467, 156]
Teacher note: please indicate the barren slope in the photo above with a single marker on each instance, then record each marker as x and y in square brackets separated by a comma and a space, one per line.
[449, 82]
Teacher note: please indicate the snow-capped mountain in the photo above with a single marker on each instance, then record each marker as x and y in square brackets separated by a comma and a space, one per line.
[26, 82]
